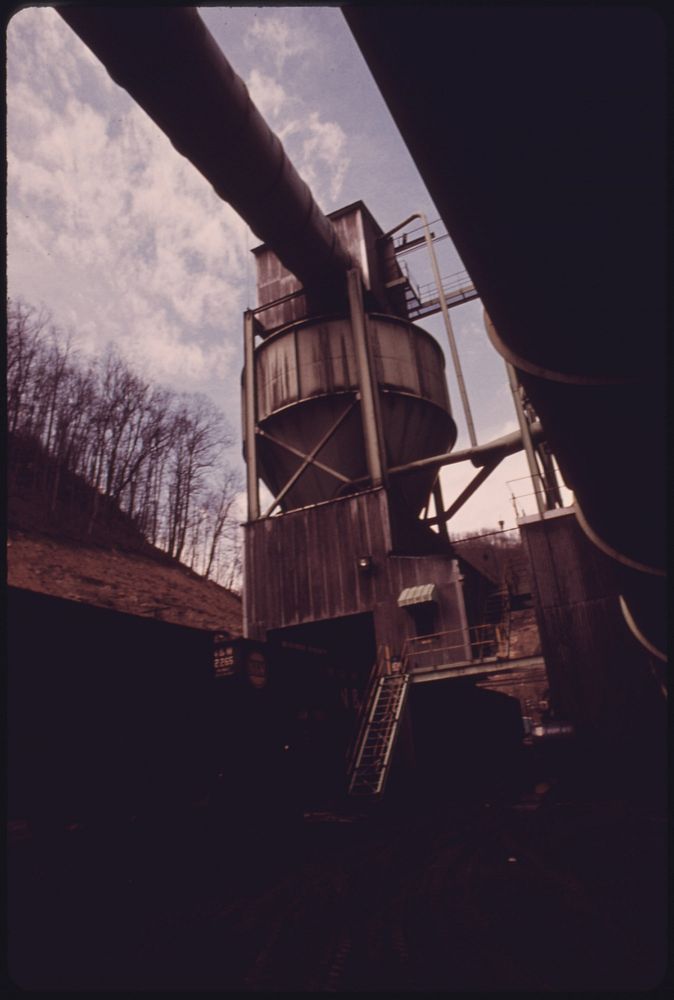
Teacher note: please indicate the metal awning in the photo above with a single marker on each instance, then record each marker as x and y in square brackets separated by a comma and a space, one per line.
[424, 593]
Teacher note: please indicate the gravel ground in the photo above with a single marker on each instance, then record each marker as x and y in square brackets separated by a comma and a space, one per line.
[539, 893]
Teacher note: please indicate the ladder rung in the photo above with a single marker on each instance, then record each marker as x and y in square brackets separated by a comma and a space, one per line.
[373, 758]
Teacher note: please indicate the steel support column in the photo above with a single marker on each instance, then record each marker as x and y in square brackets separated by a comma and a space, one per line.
[466, 493]
[442, 300]
[526, 438]
[449, 330]
[250, 415]
[369, 394]
[439, 508]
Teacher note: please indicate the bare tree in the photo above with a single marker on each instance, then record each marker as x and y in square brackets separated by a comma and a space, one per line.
[229, 571]
[157, 455]
[200, 437]
[220, 505]
[72, 425]
[24, 351]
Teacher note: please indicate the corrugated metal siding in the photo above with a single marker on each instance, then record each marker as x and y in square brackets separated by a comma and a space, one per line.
[306, 377]
[358, 233]
[317, 358]
[303, 567]
[274, 281]
[419, 594]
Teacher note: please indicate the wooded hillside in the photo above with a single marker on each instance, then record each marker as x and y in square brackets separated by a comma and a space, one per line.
[100, 453]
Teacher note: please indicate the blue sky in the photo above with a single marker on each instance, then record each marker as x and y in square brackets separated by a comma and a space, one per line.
[122, 240]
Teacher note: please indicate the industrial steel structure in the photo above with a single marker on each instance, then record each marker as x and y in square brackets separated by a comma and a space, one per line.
[552, 185]
[346, 415]
[177, 807]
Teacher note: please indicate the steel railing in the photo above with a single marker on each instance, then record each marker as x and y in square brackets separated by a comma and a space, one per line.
[518, 494]
[454, 283]
[459, 648]
[384, 664]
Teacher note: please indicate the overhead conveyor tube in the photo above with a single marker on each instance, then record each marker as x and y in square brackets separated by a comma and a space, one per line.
[171, 65]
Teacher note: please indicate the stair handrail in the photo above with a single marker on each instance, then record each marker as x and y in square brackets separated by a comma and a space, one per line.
[387, 669]
[381, 666]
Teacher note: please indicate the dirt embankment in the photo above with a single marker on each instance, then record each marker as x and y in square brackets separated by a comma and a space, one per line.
[124, 581]
[55, 546]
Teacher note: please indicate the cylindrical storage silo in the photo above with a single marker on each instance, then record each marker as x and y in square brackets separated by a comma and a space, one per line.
[306, 379]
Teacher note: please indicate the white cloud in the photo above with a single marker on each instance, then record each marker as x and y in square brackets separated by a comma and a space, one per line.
[108, 226]
[103, 210]
[115, 233]
[318, 148]
[267, 94]
[275, 38]
[325, 146]
[319, 151]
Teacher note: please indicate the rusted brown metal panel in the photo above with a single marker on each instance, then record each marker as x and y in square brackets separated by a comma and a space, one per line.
[396, 576]
[317, 357]
[449, 607]
[389, 623]
[568, 567]
[287, 580]
[306, 378]
[274, 282]
[316, 584]
[304, 567]
[304, 579]
[344, 535]
[249, 602]
[588, 676]
[358, 233]
[599, 675]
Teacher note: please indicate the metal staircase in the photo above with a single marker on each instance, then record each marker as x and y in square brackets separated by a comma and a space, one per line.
[373, 749]
[424, 657]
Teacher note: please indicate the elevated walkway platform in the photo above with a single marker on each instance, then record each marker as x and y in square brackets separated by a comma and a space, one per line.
[472, 668]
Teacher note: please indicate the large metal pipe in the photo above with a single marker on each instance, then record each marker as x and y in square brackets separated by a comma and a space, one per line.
[171, 65]
[541, 205]
[480, 456]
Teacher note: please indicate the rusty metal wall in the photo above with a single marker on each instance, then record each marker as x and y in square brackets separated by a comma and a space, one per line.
[307, 378]
[359, 234]
[316, 357]
[600, 677]
[303, 567]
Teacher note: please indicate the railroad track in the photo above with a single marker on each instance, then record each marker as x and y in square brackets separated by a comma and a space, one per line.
[469, 899]
[469, 904]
